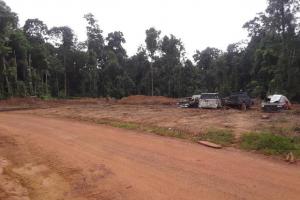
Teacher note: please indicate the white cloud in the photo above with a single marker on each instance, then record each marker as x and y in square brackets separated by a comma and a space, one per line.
[199, 23]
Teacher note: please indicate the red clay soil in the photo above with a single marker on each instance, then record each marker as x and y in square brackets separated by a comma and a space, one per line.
[37, 102]
[132, 100]
[147, 100]
[55, 159]
[15, 101]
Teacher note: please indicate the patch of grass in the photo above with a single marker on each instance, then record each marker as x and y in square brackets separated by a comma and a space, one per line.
[125, 125]
[270, 144]
[168, 132]
[46, 97]
[219, 136]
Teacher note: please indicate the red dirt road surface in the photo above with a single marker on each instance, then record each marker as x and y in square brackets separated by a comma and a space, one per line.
[46, 158]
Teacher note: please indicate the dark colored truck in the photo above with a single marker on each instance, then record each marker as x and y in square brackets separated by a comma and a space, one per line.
[239, 100]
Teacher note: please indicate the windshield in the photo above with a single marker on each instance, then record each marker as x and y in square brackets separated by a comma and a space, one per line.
[210, 96]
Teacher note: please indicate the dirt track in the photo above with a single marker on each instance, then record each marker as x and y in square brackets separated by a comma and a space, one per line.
[62, 159]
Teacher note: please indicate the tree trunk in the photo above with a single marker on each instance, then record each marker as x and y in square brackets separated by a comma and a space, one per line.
[29, 75]
[16, 72]
[57, 85]
[46, 83]
[6, 77]
[169, 87]
[65, 75]
[151, 66]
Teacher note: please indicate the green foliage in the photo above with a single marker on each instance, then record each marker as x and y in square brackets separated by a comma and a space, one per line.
[152, 41]
[46, 97]
[219, 136]
[41, 61]
[269, 143]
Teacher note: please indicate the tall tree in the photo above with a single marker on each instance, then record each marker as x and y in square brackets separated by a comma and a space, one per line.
[8, 23]
[64, 37]
[152, 44]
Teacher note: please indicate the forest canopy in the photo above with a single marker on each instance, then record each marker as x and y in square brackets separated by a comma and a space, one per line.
[37, 60]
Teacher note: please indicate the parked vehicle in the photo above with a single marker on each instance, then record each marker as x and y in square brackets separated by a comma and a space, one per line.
[190, 102]
[275, 103]
[239, 100]
[210, 100]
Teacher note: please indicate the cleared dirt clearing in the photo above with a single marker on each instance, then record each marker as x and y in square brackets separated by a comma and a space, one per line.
[91, 161]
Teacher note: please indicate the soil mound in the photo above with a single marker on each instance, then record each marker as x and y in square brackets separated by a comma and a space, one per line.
[18, 101]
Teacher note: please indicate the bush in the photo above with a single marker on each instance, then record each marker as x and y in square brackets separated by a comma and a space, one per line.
[46, 97]
[269, 143]
[221, 136]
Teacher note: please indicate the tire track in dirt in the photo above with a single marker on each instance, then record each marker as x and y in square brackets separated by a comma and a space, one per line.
[99, 162]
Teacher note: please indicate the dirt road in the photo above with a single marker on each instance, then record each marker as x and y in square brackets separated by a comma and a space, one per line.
[46, 158]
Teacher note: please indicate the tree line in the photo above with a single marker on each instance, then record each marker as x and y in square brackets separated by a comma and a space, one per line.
[36, 60]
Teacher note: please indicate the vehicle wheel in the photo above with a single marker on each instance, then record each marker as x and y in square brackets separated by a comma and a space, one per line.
[243, 107]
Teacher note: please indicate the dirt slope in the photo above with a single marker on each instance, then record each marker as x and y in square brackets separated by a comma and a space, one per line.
[61, 159]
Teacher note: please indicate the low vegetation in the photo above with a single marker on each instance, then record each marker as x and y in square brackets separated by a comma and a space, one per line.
[219, 136]
[270, 144]
[168, 132]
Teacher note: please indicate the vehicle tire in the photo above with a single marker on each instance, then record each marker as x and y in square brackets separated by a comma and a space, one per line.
[243, 107]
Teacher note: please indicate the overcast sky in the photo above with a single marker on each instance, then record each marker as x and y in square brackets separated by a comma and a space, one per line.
[199, 23]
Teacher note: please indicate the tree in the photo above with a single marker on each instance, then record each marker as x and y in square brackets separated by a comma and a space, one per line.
[36, 31]
[115, 41]
[95, 45]
[173, 52]
[273, 36]
[152, 44]
[64, 38]
[95, 41]
[8, 23]
[42, 61]
[138, 69]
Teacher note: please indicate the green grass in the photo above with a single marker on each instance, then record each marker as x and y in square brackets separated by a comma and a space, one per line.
[219, 136]
[168, 132]
[46, 97]
[270, 144]
[125, 125]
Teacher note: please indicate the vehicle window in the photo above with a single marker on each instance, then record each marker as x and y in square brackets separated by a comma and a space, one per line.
[209, 96]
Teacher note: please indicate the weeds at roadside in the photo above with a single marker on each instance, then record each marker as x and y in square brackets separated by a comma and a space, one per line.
[168, 132]
[270, 144]
[219, 136]
[125, 125]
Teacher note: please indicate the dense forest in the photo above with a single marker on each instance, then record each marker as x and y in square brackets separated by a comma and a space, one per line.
[36, 60]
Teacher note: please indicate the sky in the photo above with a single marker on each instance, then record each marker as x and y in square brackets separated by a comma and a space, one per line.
[198, 23]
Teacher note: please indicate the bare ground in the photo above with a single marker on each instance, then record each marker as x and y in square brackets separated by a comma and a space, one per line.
[195, 121]
[53, 159]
